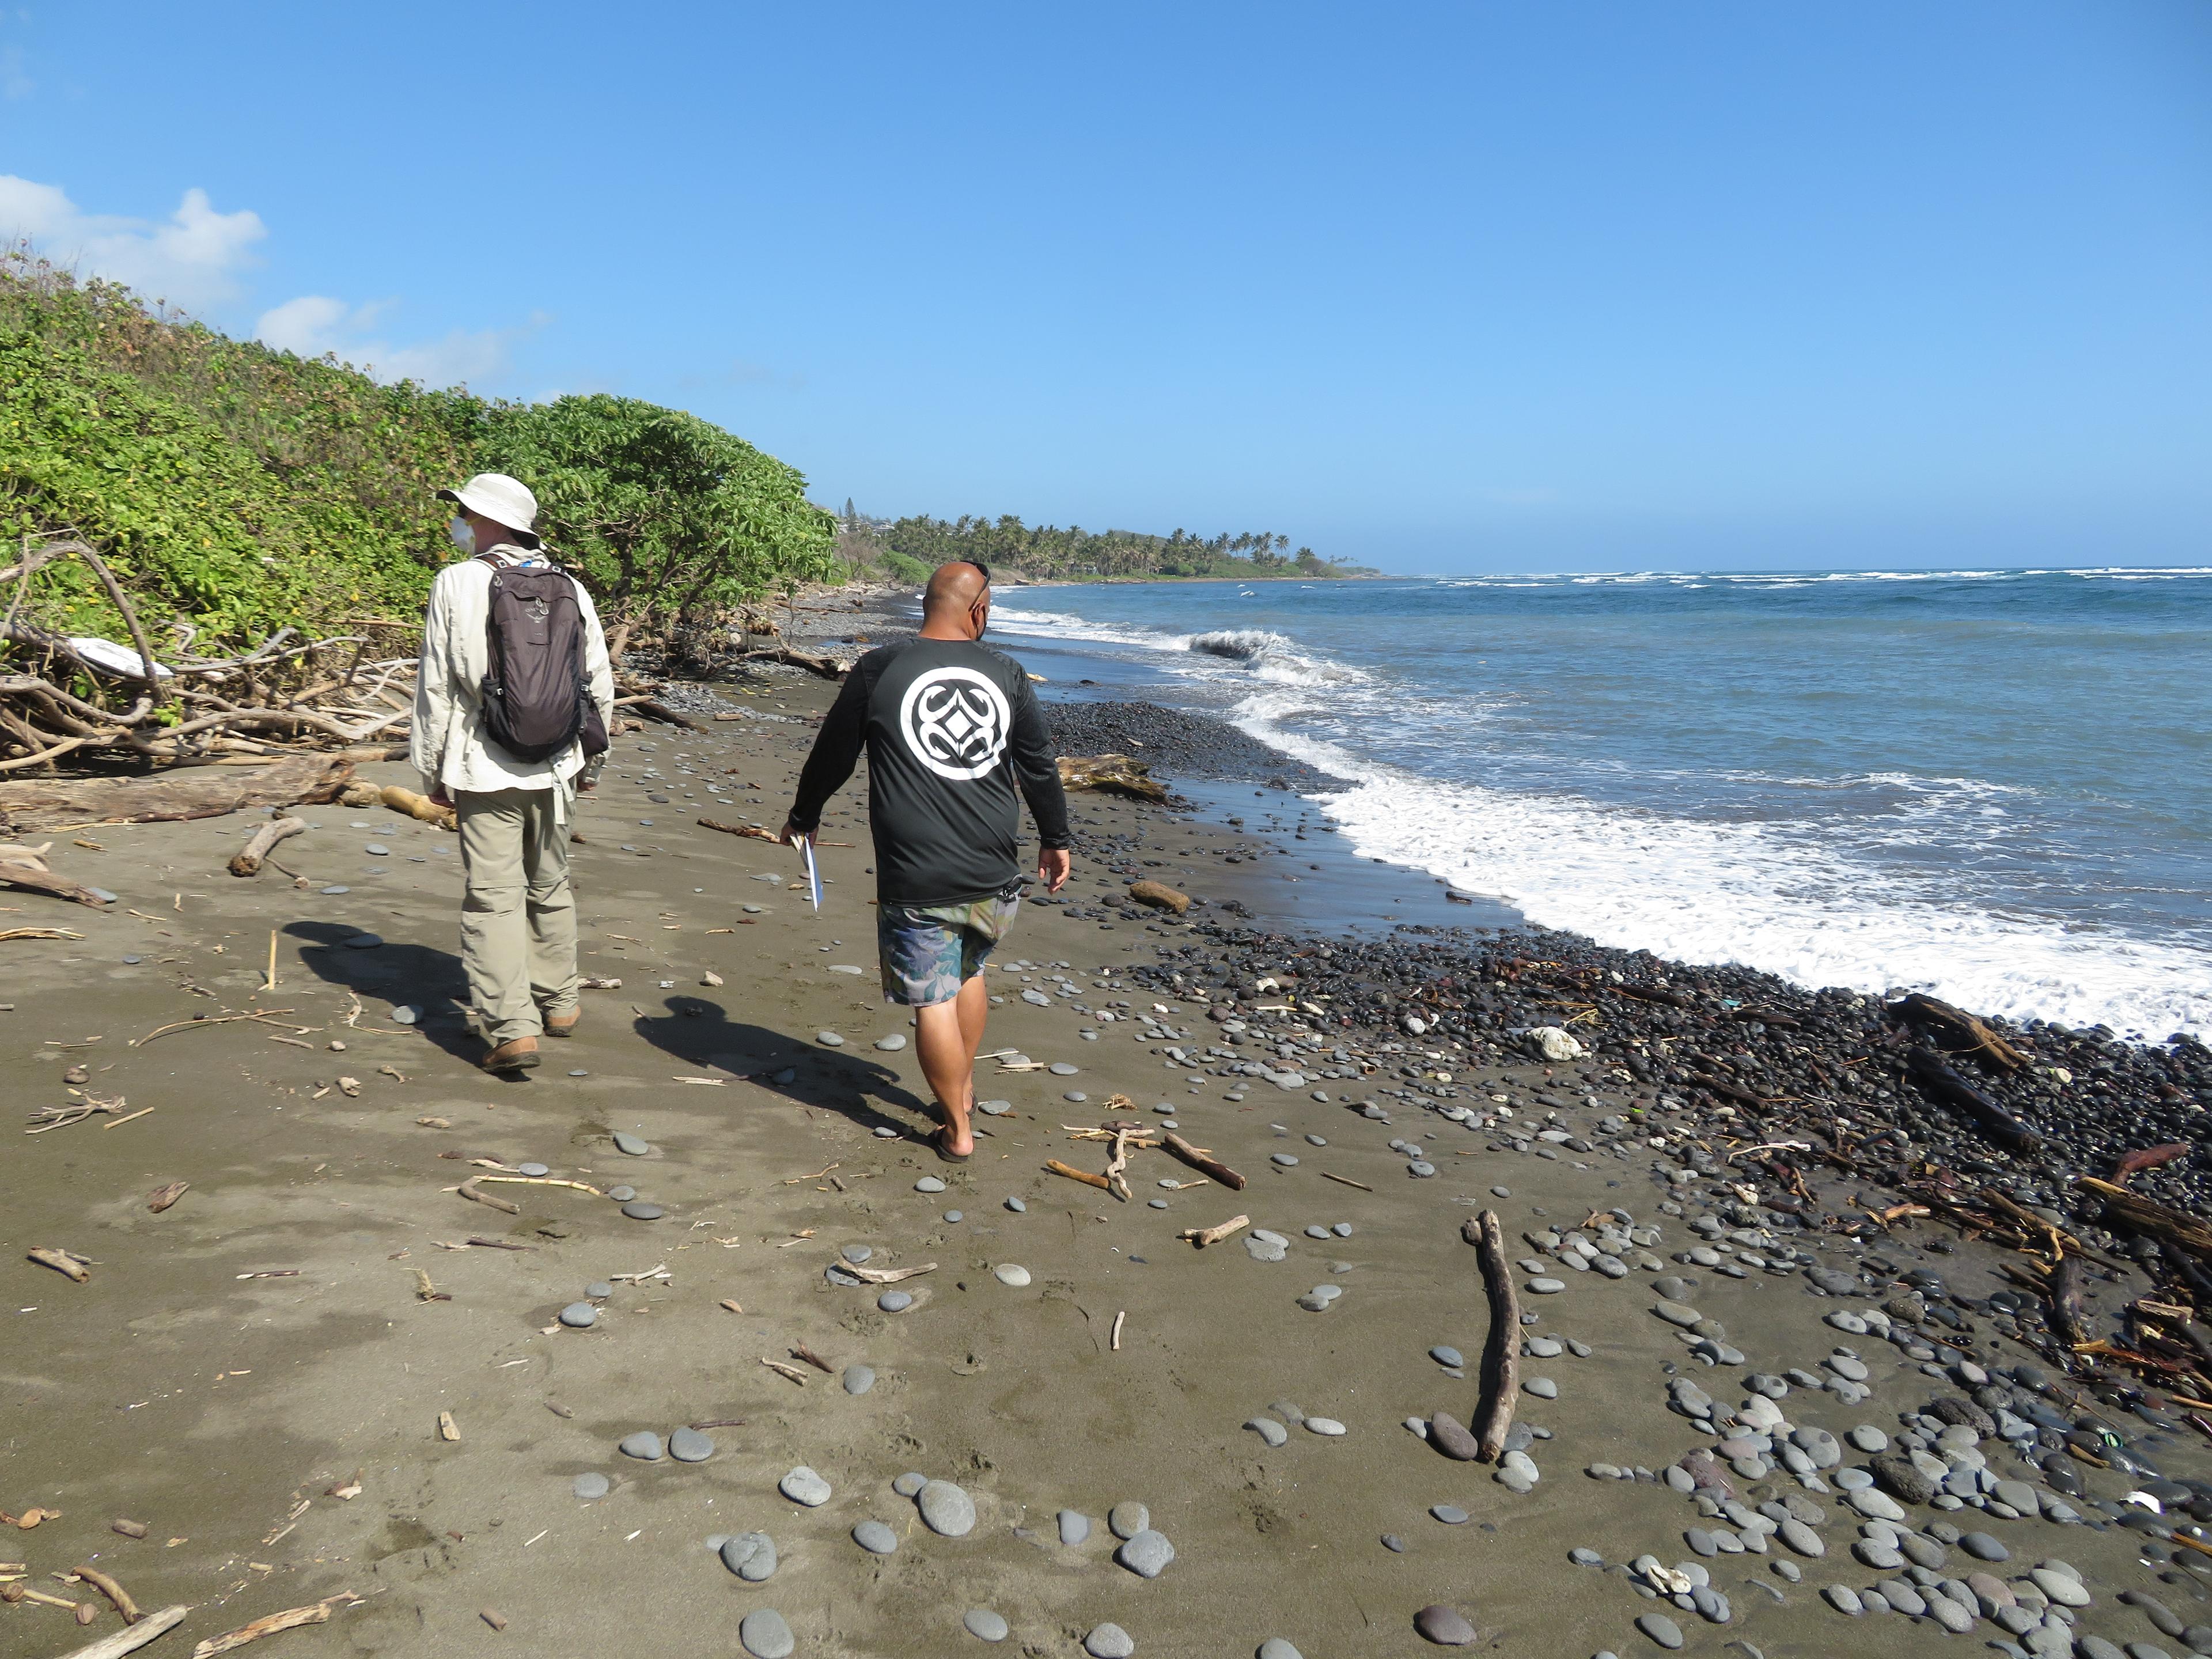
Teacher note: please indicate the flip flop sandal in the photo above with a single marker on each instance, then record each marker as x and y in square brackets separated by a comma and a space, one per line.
[937, 1144]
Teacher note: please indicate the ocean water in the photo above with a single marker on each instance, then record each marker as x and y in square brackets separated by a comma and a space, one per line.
[1995, 785]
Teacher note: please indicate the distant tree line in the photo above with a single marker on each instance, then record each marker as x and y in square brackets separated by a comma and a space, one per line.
[1045, 551]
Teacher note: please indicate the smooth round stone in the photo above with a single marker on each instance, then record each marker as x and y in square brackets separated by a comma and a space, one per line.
[947, 1510]
[1660, 1629]
[1146, 1554]
[1803, 1539]
[751, 1555]
[1018, 1206]
[580, 1316]
[1420, 1169]
[1126, 1520]
[644, 1445]
[1450, 1513]
[830, 1039]
[1286, 1159]
[995, 1108]
[364, 942]
[884, 1132]
[929, 1184]
[891, 1044]
[1108, 1640]
[802, 1485]
[895, 1301]
[1275, 1648]
[857, 1253]
[1325, 1426]
[858, 1379]
[534, 1169]
[1061, 1068]
[1268, 1430]
[1342, 1229]
[376, 850]
[1542, 1387]
[1546, 1286]
[875, 1537]
[1444, 1356]
[639, 1210]
[621, 1194]
[984, 1625]
[765, 1634]
[630, 1145]
[1074, 1527]
[2064, 1588]
[1156, 1204]
[1446, 1626]
[956, 1215]
[591, 1485]
[689, 1445]
[333, 892]
[598, 1290]
[1868, 1438]
[910, 1484]
[1317, 1232]
[1844, 1599]
[1983, 1547]
[1010, 1273]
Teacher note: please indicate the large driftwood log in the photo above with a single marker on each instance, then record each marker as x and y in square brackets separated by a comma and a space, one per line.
[248, 860]
[1958, 1031]
[189, 792]
[1940, 1083]
[1501, 1350]
[827, 667]
[653, 708]
[1110, 774]
[2176, 1228]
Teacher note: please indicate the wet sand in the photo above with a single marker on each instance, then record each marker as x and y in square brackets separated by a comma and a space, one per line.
[219, 1409]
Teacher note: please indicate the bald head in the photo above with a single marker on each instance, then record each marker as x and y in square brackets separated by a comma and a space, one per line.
[956, 603]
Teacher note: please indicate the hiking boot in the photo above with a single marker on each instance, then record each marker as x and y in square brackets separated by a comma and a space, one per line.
[515, 1055]
[560, 1026]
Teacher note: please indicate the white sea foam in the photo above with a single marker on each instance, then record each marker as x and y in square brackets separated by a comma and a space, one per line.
[1761, 895]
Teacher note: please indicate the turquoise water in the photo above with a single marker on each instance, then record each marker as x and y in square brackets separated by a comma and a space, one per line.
[1990, 784]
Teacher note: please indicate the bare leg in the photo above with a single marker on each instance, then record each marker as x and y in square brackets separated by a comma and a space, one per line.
[946, 1036]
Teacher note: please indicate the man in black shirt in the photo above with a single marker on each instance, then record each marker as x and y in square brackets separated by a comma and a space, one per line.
[951, 728]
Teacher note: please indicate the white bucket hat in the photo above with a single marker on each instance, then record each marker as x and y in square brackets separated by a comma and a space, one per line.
[501, 499]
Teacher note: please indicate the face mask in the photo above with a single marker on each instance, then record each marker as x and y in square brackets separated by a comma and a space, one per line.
[464, 535]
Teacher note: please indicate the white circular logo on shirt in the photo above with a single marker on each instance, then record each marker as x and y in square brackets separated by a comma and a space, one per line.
[956, 721]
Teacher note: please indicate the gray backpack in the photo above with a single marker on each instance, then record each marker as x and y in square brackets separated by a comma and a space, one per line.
[536, 696]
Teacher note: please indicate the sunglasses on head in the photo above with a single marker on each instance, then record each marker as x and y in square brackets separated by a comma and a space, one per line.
[981, 566]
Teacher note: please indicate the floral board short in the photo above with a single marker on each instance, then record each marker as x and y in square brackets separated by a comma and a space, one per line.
[927, 952]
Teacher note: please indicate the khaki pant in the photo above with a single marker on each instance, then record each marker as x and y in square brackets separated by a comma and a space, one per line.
[517, 912]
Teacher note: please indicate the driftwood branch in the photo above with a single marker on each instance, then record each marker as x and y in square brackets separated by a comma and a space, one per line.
[118, 1644]
[1201, 1237]
[1112, 774]
[1959, 1031]
[827, 667]
[1203, 1163]
[1501, 1353]
[1941, 1084]
[248, 860]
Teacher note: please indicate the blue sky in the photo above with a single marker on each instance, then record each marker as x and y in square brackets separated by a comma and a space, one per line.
[1597, 285]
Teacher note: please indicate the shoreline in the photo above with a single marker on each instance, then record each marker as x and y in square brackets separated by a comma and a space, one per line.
[1677, 1262]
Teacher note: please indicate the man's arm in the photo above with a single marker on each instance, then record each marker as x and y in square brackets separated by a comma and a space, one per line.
[434, 695]
[598, 667]
[836, 749]
[1037, 768]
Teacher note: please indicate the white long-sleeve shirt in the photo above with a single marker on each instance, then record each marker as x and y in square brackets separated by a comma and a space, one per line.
[448, 743]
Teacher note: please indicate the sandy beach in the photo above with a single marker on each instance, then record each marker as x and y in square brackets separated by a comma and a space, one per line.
[323, 1370]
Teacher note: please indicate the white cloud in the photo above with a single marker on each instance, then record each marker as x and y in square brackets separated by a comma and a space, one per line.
[193, 258]
[314, 325]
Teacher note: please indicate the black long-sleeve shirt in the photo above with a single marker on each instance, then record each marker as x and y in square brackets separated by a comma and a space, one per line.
[951, 728]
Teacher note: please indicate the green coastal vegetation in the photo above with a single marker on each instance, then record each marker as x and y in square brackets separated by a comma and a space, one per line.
[235, 489]
[912, 547]
[239, 489]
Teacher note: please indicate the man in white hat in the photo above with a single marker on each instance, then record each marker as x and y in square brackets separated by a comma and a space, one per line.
[518, 914]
